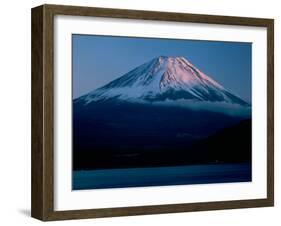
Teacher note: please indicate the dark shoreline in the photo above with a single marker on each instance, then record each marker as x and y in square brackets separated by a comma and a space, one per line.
[230, 145]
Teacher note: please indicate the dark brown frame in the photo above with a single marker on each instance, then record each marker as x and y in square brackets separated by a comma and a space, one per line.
[42, 203]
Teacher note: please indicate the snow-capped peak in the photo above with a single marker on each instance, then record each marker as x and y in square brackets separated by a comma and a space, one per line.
[164, 78]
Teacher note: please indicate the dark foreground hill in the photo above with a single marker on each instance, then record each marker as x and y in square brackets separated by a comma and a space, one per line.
[136, 135]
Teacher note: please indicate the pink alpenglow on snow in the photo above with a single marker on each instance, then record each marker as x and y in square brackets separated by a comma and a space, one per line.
[164, 79]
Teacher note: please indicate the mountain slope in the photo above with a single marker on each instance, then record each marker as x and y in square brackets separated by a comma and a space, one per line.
[163, 78]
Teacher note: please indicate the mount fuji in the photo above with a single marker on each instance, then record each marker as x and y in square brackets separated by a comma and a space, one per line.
[163, 79]
[164, 112]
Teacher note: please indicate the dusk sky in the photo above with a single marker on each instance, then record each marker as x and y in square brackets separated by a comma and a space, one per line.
[98, 60]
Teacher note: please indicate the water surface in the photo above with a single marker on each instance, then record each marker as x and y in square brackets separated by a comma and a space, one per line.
[159, 176]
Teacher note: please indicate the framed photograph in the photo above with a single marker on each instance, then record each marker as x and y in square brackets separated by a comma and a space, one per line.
[141, 112]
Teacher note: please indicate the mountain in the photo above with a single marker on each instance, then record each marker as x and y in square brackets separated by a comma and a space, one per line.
[138, 120]
[163, 78]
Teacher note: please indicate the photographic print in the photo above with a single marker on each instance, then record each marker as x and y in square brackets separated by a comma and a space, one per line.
[159, 112]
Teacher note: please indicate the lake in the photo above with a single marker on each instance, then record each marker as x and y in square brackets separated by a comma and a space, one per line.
[160, 176]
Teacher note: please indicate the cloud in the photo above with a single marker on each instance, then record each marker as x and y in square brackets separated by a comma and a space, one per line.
[221, 107]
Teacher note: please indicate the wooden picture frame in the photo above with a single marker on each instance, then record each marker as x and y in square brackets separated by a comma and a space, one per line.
[42, 205]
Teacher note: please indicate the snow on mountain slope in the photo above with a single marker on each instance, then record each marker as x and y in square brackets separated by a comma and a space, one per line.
[164, 78]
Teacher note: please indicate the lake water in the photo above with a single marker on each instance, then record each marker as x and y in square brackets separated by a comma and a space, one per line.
[157, 176]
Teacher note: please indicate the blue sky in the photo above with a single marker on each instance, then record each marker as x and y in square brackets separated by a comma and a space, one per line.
[98, 60]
